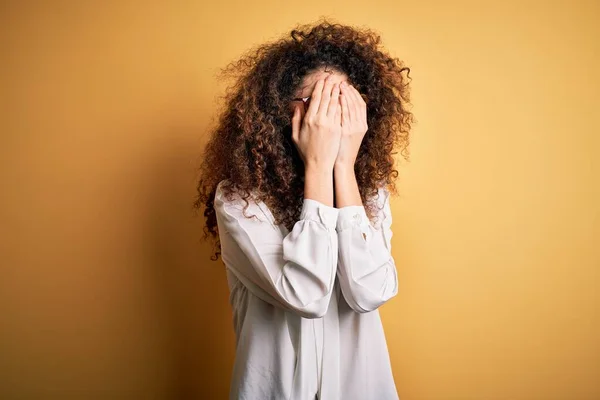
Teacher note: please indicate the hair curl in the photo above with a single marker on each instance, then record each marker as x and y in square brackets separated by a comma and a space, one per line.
[251, 145]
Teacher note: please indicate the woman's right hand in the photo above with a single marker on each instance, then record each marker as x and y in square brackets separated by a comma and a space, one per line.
[317, 135]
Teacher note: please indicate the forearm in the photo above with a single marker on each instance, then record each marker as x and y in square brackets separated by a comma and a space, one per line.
[318, 184]
[346, 187]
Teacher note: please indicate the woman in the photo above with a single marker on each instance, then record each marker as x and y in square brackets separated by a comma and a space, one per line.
[295, 185]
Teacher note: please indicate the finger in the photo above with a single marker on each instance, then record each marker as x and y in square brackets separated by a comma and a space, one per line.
[296, 124]
[337, 120]
[358, 104]
[325, 96]
[361, 104]
[345, 107]
[334, 101]
[315, 98]
[350, 109]
[302, 109]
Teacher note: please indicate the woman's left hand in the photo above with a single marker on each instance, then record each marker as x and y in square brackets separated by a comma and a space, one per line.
[354, 125]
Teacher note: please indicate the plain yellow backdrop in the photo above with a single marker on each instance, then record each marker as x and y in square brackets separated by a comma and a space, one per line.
[106, 290]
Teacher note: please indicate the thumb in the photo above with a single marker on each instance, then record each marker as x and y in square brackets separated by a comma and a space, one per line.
[296, 123]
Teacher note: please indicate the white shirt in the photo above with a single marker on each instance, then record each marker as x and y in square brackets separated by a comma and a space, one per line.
[305, 301]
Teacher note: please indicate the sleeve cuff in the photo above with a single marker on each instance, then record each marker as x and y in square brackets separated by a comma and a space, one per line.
[351, 216]
[316, 211]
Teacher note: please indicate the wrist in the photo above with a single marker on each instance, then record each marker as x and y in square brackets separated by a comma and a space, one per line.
[313, 168]
[318, 184]
[343, 168]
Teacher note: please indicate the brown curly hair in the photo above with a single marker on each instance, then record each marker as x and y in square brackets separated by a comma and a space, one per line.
[251, 145]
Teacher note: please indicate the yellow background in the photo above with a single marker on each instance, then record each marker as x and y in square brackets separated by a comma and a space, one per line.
[107, 292]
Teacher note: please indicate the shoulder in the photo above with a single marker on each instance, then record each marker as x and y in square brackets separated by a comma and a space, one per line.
[228, 200]
[226, 193]
[382, 197]
[380, 203]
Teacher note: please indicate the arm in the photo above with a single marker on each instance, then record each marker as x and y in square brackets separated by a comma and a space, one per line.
[296, 271]
[366, 269]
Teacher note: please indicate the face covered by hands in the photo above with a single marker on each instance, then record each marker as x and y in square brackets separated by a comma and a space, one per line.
[353, 121]
[354, 125]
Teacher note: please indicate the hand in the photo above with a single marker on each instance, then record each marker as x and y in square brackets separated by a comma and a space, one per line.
[354, 125]
[317, 134]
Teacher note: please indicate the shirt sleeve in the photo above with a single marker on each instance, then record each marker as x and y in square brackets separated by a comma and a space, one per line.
[294, 271]
[366, 269]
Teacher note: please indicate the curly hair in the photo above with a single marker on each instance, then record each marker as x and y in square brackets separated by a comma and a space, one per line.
[251, 145]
